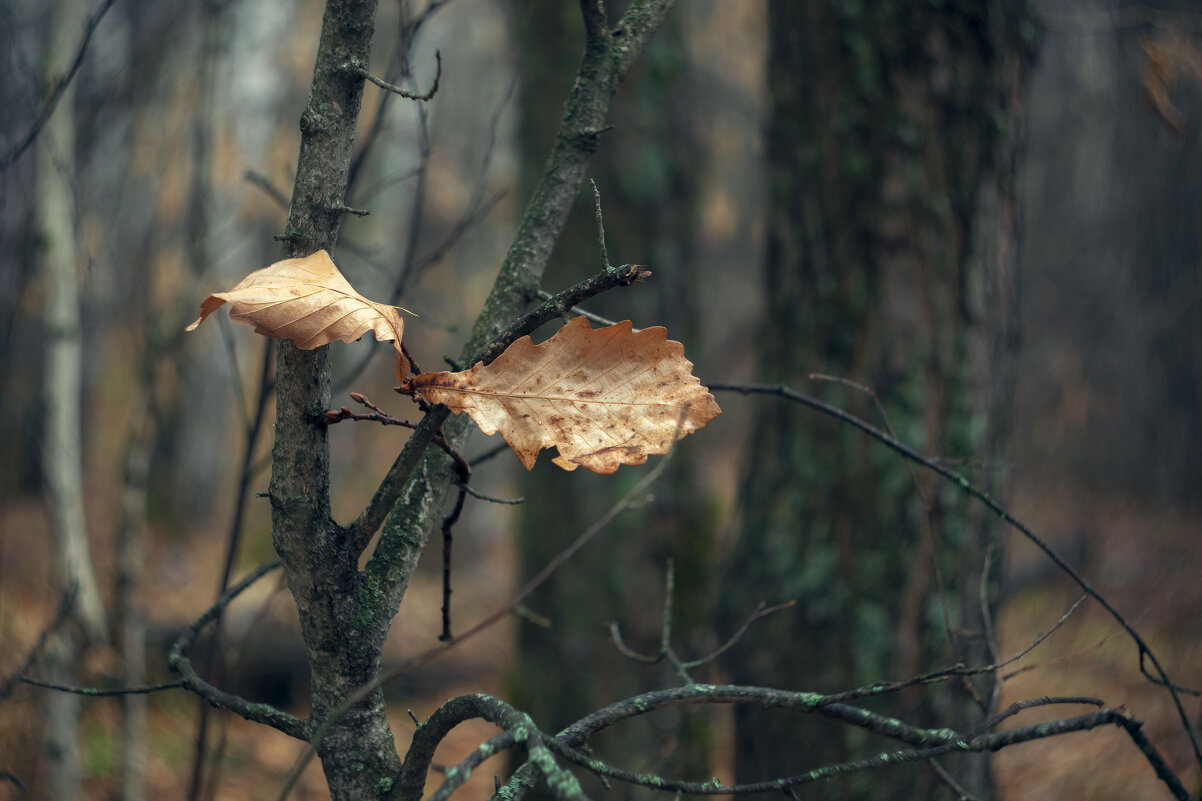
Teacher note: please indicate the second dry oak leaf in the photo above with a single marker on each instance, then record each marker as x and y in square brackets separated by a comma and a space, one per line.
[602, 397]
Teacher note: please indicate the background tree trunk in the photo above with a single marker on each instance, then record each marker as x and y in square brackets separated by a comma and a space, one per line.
[890, 263]
[62, 458]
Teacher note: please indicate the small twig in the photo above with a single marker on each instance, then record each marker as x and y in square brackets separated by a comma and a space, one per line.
[987, 618]
[666, 651]
[665, 626]
[463, 473]
[1043, 635]
[413, 365]
[761, 611]
[342, 208]
[377, 415]
[665, 636]
[491, 453]
[529, 615]
[481, 496]
[66, 602]
[1019, 706]
[847, 382]
[362, 72]
[179, 663]
[12, 779]
[945, 777]
[102, 692]
[263, 182]
[615, 636]
[596, 318]
[561, 303]
[937, 676]
[448, 538]
[56, 94]
[600, 225]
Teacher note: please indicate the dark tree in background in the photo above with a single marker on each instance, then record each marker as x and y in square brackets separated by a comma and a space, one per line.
[891, 235]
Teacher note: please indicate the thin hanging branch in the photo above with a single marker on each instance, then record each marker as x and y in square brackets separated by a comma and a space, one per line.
[362, 72]
[1145, 652]
[178, 662]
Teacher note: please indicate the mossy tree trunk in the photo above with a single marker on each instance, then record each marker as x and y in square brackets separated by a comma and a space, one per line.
[891, 141]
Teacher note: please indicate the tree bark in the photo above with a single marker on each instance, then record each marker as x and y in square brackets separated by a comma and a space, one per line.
[891, 142]
[358, 751]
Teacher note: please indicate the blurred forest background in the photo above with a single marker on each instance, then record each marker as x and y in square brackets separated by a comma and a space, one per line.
[177, 144]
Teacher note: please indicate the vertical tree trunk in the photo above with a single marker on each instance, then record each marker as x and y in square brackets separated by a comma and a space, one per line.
[358, 751]
[62, 447]
[889, 263]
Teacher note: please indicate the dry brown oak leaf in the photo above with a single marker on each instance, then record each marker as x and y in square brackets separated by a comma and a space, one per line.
[603, 397]
[308, 301]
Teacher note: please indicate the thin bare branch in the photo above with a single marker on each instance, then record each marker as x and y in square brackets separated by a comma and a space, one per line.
[103, 692]
[489, 498]
[761, 611]
[596, 318]
[179, 663]
[56, 93]
[600, 225]
[362, 72]
[263, 182]
[65, 603]
[1146, 655]
[615, 636]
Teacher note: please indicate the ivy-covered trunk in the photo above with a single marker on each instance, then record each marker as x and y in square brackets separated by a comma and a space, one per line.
[890, 261]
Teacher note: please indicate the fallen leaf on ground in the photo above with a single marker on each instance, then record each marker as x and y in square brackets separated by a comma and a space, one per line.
[308, 301]
[602, 397]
